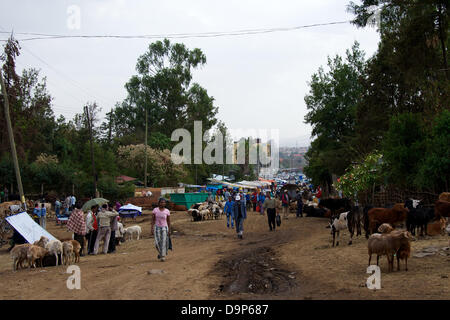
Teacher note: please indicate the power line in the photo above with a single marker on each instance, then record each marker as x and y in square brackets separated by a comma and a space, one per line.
[43, 36]
[63, 75]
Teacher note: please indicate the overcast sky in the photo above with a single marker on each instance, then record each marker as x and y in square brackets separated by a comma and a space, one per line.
[258, 81]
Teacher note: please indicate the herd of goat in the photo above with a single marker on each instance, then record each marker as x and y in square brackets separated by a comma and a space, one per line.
[380, 223]
[381, 226]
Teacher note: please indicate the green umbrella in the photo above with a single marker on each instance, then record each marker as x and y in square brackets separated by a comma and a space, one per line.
[93, 202]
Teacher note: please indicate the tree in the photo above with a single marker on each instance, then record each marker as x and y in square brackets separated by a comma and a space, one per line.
[434, 166]
[402, 148]
[162, 171]
[409, 73]
[163, 87]
[332, 102]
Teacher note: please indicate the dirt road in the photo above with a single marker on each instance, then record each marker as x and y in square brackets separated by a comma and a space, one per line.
[209, 262]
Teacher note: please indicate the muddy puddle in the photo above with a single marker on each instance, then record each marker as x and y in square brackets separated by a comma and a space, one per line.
[255, 271]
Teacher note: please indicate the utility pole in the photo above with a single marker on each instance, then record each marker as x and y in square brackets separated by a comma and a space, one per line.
[89, 120]
[12, 143]
[145, 152]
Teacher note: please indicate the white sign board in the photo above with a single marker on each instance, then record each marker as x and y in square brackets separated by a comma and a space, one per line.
[29, 229]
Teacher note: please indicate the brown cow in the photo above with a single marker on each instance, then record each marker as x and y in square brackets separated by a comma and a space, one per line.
[377, 216]
[441, 209]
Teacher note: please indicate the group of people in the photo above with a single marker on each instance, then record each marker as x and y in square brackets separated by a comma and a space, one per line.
[101, 223]
[238, 203]
[40, 214]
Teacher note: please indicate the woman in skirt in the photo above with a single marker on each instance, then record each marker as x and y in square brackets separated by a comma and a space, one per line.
[161, 228]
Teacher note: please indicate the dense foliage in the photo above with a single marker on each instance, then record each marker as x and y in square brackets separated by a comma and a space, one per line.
[55, 153]
[398, 104]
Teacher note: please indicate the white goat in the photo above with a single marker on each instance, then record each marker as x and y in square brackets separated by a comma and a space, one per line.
[54, 247]
[132, 230]
[339, 225]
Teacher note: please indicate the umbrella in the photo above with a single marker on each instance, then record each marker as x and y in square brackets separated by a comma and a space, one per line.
[96, 201]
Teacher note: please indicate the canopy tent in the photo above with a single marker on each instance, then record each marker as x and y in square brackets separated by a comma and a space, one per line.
[130, 211]
[242, 184]
[28, 228]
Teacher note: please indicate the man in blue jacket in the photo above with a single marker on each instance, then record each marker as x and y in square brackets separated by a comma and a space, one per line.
[240, 214]
[229, 212]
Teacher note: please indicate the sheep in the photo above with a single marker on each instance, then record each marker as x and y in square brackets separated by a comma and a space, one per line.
[67, 252]
[42, 242]
[404, 251]
[216, 211]
[54, 247]
[385, 228]
[205, 213]
[35, 253]
[339, 225]
[19, 254]
[132, 230]
[388, 244]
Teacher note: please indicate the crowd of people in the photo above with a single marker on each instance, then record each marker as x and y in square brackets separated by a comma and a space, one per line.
[238, 203]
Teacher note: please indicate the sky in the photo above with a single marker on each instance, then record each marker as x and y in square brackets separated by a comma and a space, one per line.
[258, 81]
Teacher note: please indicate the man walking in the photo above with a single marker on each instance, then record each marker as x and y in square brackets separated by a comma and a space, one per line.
[42, 220]
[104, 228]
[57, 207]
[240, 214]
[229, 212]
[271, 205]
[285, 203]
[261, 199]
[299, 199]
[254, 200]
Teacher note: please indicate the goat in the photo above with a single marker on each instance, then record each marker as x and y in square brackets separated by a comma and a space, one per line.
[132, 230]
[404, 250]
[385, 228]
[35, 253]
[339, 225]
[19, 254]
[418, 216]
[54, 247]
[42, 242]
[354, 218]
[67, 252]
[76, 248]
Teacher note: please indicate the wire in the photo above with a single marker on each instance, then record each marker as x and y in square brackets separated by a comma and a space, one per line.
[43, 36]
